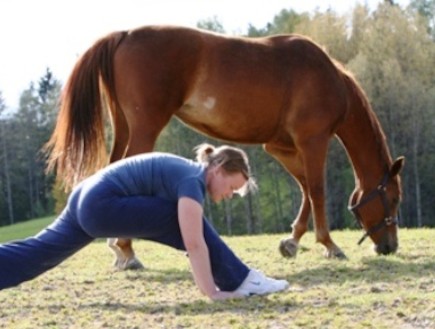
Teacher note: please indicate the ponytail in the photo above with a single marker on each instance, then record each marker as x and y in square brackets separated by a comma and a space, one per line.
[204, 152]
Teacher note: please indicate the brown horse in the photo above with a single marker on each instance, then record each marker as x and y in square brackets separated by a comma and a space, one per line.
[282, 91]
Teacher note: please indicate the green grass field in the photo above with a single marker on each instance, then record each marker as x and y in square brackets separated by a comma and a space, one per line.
[365, 291]
[24, 229]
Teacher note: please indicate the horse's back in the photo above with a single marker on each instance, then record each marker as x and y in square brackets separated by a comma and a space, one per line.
[233, 88]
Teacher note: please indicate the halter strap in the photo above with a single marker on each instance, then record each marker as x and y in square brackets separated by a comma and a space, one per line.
[387, 220]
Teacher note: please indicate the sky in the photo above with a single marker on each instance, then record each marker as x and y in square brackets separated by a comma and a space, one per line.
[38, 34]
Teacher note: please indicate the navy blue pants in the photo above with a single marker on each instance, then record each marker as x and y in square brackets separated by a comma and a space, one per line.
[99, 209]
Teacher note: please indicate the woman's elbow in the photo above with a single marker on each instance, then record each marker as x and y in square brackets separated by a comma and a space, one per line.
[192, 246]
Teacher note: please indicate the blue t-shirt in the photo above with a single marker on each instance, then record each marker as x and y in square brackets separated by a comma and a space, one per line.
[158, 174]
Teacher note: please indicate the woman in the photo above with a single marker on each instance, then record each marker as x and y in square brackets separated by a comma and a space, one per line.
[154, 196]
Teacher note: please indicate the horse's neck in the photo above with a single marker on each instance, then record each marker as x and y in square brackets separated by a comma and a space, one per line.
[364, 141]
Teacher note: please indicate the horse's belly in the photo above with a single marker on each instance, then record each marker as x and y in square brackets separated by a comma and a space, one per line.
[236, 120]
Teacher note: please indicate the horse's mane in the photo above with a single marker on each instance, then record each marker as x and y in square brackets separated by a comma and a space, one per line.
[363, 99]
[356, 90]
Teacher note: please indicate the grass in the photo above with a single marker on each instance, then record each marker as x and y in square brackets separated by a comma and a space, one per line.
[23, 229]
[365, 291]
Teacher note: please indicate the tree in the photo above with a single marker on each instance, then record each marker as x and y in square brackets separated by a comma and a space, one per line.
[5, 176]
[426, 10]
[211, 24]
[283, 23]
[330, 31]
[395, 64]
[29, 187]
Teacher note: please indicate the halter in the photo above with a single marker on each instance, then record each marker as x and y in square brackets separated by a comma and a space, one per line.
[387, 220]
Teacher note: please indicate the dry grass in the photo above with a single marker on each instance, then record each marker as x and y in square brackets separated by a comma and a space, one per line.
[365, 291]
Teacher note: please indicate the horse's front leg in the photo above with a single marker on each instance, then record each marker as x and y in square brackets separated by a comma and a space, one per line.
[314, 158]
[289, 247]
[291, 161]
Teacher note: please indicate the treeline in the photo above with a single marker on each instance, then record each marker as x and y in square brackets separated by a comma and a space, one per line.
[25, 189]
[391, 51]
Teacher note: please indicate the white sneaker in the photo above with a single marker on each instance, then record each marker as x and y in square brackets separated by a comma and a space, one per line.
[256, 283]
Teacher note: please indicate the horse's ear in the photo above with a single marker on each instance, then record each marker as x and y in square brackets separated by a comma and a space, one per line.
[397, 166]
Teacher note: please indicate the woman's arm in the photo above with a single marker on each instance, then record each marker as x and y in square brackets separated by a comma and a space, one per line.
[190, 218]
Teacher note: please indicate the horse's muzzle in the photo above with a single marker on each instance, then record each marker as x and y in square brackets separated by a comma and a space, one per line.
[386, 247]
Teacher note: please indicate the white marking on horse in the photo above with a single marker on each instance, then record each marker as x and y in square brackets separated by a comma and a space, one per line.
[209, 103]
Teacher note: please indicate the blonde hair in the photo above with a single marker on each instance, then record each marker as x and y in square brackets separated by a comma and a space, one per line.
[232, 159]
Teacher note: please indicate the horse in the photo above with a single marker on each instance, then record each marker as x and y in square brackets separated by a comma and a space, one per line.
[283, 92]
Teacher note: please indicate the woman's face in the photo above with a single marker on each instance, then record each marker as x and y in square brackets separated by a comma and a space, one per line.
[221, 185]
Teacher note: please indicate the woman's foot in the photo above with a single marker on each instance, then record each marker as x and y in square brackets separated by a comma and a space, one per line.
[256, 283]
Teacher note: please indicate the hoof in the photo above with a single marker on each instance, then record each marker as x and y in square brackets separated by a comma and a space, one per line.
[288, 248]
[133, 264]
[338, 254]
[128, 264]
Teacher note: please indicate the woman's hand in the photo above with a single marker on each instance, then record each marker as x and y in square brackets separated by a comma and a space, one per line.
[190, 219]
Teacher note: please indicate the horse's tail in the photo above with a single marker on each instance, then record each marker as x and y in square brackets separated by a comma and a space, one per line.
[77, 146]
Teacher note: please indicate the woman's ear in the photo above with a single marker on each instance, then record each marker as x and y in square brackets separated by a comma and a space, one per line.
[212, 171]
[218, 170]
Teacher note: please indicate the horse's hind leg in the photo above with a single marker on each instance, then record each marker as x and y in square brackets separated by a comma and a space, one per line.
[125, 257]
[142, 136]
[292, 163]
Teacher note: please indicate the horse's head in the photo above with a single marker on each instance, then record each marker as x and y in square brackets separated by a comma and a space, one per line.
[378, 210]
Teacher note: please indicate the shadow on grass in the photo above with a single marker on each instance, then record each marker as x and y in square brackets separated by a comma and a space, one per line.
[266, 304]
[371, 269]
[252, 304]
[382, 269]
[155, 275]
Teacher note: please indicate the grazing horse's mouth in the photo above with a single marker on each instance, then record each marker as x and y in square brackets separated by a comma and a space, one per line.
[388, 245]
